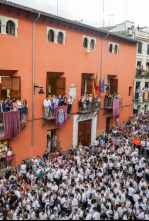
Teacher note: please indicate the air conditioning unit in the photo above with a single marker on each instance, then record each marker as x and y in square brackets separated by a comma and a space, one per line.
[129, 32]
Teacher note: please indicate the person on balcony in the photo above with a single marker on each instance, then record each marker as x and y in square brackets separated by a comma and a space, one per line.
[90, 102]
[47, 104]
[56, 103]
[51, 108]
[70, 102]
[60, 101]
[65, 100]
[15, 105]
[24, 111]
[80, 103]
[87, 103]
[19, 104]
[5, 106]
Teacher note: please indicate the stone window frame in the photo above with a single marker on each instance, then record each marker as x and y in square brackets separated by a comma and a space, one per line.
[4, 20]
[114, 45]
[56, 33]
[89, 42]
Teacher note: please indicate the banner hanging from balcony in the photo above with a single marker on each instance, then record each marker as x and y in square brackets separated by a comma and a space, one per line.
[61, 116]
[116, 105]
[12, 124]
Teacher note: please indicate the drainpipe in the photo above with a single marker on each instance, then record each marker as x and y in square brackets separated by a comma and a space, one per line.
[33, 104]
[102, 69]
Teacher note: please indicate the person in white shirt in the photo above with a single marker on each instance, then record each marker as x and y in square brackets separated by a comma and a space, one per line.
[88, 215]
[74, 203]
[43, 215]
[96, 215]
[140, 215]
[19, 104]
[74, 215]
[70, 102]
[47, 104]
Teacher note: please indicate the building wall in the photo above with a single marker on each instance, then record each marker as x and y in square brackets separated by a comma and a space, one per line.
[144, 38]
[71, 59]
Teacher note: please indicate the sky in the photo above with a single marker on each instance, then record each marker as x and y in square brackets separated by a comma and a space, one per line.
[91, 11]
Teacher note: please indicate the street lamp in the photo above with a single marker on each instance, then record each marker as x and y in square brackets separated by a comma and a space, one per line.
[40, 87]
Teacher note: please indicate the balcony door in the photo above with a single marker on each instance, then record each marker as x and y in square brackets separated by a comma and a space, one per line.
[87, 85]
[56, 86]
[113, 86]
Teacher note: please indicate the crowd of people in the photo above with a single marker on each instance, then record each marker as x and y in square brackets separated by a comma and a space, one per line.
[109, 99]
[50, 104]
[108, 180]
[85, 103]
[140, 69]
[6, 156]
[14, 105]
[142, 94]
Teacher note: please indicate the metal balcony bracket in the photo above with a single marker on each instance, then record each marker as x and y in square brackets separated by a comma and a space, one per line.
[95, 114]
[44, 124]
[24, 126]
[79, 117]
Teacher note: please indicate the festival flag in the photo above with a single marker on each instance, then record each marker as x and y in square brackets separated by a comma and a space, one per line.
[103, 86]
[100, 86]
[93, 90]
[97, 85]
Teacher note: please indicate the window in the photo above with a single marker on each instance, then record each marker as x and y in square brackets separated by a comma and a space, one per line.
[116, 49]
[147, 49]
[130, 91]
[60, 38]
[146, 84]
[92, 44]
[85, 43]
[10, 28]
[139, 48]
[139, 63]
[51, 36]
[111, 48]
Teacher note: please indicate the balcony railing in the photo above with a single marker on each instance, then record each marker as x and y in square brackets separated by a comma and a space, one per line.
[108, 103]
[87, 107]
[140, 73]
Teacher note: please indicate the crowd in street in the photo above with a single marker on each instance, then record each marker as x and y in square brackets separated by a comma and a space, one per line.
[14, 105]
[50, 104]
[108, 180]
[109, 99]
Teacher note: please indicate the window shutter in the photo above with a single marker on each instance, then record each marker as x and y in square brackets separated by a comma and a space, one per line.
[60, 86]
[6, 83]
[89, 86]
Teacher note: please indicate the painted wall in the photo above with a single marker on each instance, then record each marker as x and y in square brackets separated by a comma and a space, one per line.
[71, 59]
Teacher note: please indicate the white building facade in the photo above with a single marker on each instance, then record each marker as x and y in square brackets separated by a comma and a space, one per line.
[141, 88]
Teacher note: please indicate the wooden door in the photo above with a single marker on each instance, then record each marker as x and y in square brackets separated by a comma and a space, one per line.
[60, 86]
[83, 86]
[89, 86]
[15, 92]
[6, 83]
[84, 133]
[113, 86]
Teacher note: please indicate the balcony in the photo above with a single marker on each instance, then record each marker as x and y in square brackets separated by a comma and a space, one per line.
[140, 74]
[88, 107]
[108, 103]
